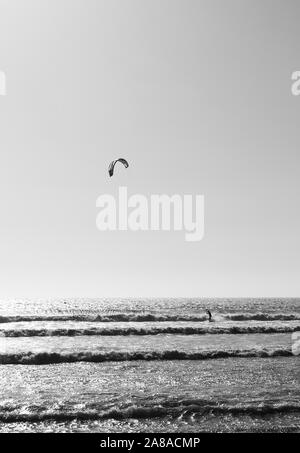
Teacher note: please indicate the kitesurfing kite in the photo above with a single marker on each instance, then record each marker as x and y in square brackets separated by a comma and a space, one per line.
[111, 167]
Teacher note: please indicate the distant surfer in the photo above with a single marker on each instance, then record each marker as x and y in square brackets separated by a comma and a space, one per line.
[209, 315]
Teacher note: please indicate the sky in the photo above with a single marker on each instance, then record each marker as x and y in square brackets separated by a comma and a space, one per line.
[196, 95]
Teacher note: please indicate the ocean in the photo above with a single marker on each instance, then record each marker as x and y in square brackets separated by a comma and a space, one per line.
[149, 365]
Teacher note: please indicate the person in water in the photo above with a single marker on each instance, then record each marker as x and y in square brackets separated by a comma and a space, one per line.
[209, 315]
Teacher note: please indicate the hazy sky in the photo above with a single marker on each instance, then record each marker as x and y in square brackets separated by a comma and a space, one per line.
[196, 94]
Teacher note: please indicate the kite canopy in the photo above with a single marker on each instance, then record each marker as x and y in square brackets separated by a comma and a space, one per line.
[111, 167]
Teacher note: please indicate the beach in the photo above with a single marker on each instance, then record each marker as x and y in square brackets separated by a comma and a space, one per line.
[149, 365]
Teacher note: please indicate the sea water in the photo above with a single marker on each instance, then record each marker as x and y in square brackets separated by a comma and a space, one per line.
[140, 365]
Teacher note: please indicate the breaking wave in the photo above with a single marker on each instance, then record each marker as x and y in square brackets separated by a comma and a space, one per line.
[134, 317]
[44, 358]
[148, 330]
[183, 409]
[263, 316]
